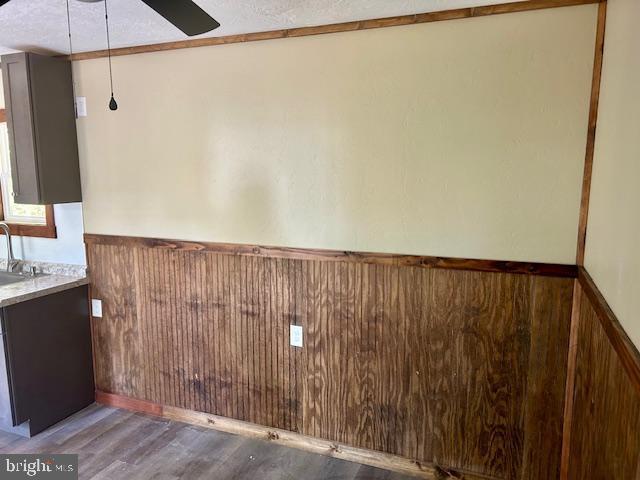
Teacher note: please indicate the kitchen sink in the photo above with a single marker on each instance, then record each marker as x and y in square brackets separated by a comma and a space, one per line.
[7, 278]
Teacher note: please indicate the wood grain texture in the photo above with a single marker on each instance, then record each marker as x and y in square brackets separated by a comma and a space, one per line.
[571, 379]
[531, 268]
[48, 230]
[606, 407]
[341, 27]
[122, 344]
[627, 352]
[591, 132]
[457, 370]
[549, 341]
[128, 403]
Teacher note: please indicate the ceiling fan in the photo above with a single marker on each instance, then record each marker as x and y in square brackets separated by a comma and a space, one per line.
[184, 14]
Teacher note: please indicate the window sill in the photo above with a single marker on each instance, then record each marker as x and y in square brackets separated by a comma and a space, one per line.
[26, 230]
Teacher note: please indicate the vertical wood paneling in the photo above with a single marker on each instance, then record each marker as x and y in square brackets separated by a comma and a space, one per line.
[223, 399]
[311, 406]
[141, 305]
[605, 442]
[118, 346]
[365, 427]
[549, 344]
[461, 369]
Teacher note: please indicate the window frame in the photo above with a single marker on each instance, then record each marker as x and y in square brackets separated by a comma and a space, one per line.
[48, 230]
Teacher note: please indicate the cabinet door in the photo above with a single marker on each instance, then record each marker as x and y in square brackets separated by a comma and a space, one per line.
[6, 402]
[54, 118]
[38, 93]
[24, 171]
[49, 354]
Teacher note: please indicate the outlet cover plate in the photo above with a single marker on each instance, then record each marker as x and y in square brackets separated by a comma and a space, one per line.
[81, 106]
[96, 307]
[295, 335]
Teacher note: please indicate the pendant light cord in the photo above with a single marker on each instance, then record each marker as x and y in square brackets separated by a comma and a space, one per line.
[106, 20]
[73, 82]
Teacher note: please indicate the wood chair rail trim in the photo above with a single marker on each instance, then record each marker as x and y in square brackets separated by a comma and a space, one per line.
[499, 266]
[341, 27]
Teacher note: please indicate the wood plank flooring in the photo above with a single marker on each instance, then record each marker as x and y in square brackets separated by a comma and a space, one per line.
[116, 444]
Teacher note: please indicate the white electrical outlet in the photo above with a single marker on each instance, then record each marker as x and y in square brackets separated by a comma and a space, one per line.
[96, 307]
[295, 335]
[81, 106]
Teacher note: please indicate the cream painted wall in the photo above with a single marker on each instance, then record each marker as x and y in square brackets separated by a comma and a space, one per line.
[613, 233]
[463, 138]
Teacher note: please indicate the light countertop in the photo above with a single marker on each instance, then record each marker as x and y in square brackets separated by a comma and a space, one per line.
[54, 277]
[39, 287]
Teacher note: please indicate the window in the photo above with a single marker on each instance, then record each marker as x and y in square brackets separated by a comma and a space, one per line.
[25, 220]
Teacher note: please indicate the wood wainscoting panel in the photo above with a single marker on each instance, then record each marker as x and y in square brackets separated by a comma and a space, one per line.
[463, 371]
[118, 345]
[605, 431]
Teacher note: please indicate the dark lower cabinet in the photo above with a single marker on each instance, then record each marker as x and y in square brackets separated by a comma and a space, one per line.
[46, 370]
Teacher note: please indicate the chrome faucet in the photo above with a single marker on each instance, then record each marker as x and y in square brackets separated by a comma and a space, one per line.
[12, 263]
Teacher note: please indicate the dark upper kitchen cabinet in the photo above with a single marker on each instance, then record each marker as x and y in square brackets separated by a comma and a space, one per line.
[39, 103]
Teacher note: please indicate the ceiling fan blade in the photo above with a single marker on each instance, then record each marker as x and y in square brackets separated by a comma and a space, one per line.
[185, 15]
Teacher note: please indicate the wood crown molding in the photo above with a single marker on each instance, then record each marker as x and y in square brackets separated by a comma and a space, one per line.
[501, 266]
[591, 132]
[341, 27]
[622, 344]
[288, 439]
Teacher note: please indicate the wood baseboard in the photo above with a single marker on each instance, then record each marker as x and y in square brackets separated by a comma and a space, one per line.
[128, 403]
[286, 438]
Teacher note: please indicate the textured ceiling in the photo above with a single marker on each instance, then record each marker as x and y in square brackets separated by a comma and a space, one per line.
[41, 25]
